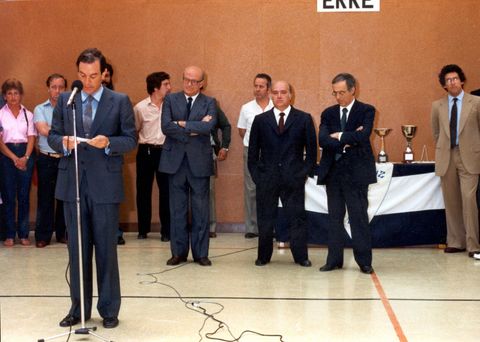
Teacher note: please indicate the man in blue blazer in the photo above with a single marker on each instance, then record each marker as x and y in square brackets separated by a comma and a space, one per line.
[281, 153]
[105, 119]
[347, 167]
[187, 119]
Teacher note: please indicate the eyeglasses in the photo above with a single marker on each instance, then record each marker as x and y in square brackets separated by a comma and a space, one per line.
[192, 82]
[338, 93]
[452, 79]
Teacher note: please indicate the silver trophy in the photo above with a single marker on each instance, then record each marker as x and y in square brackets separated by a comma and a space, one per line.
[382, 132]
[408, 132]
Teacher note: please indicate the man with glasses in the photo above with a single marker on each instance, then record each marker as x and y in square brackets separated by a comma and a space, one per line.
[347, 168]
[187, 119]
[456, 129]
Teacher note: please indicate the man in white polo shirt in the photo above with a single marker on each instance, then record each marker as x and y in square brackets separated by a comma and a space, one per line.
[262, 102]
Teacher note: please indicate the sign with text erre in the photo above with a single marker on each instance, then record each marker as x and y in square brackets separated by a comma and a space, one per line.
[348, 5]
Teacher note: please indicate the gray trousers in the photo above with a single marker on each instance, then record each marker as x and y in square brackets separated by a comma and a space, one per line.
[213, 216]
[250, 197]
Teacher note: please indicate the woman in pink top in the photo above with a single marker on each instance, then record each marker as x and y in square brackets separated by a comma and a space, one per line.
[16, 161]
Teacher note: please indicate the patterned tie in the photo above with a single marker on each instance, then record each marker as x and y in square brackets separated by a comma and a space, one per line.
[88, 116]
[189, 107]
[453, 124]
[343, 121]
[281, 123]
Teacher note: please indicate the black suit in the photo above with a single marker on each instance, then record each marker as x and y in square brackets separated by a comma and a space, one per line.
[476, 92]
[101, 191]
[347, 172]
[279, 169]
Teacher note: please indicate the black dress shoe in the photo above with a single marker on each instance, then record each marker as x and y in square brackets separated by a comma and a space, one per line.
[69, 320]
[453, 250]
[327, 267]
[61, 240]
[366, 269]
[164, 239]
[176, 260]
[121, 240]
[110, 322]
[305, 263]
[470, 254]
[204, 261]
[260, 262]
[141, 236]
[250, 235]
[212, 235]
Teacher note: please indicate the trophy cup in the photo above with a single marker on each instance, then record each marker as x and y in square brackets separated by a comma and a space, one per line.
[382, 132]
[408, 132]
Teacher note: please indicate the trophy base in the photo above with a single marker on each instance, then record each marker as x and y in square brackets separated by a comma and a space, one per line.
[382, 158]
[408, 157]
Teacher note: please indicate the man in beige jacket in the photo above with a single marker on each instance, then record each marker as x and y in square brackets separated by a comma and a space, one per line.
[456, 129]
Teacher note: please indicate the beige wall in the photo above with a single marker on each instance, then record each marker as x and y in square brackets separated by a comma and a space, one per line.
[396, 55]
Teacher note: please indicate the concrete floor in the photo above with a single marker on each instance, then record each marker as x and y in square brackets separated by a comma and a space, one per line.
[416, 294]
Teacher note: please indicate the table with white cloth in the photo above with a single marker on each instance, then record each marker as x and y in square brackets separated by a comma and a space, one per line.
[405, 208]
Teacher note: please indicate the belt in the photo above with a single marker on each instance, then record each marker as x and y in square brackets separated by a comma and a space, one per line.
[151, 145]
[16, 144]
[53, 155]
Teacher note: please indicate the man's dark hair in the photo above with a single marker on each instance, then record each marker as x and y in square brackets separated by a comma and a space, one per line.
[109, 85]
[265, 77]
[109, 67]
[54, 77]
[448, 69]
[351, 82]
[154, 80]
[90, 56]
[12, 83]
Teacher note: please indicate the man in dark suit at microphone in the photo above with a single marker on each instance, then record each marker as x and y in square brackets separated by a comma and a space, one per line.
[105, 119]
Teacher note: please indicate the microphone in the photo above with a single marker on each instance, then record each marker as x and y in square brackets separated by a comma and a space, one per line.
[76, 87]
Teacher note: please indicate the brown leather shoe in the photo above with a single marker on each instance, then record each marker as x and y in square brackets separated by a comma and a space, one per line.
[212, 235]
[453, 250]
[176, 260]
[25, 242]
[9, 242]
[41, 244]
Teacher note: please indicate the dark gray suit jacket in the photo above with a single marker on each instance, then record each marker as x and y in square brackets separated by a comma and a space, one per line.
[114, 119]
[193, 140]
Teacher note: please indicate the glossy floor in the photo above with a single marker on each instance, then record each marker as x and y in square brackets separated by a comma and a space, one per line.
[416, 294]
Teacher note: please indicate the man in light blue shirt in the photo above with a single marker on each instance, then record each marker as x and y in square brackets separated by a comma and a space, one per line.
[49, 216]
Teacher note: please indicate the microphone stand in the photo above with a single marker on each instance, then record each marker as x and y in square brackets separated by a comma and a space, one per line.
[83, 330]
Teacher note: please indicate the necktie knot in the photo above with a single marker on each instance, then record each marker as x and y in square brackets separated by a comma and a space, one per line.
[455, 99]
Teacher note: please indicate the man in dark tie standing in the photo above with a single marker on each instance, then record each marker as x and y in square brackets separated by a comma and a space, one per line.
[281, 153]
[347, 167]
[456, 130]
[105, 120]
[187, 119]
